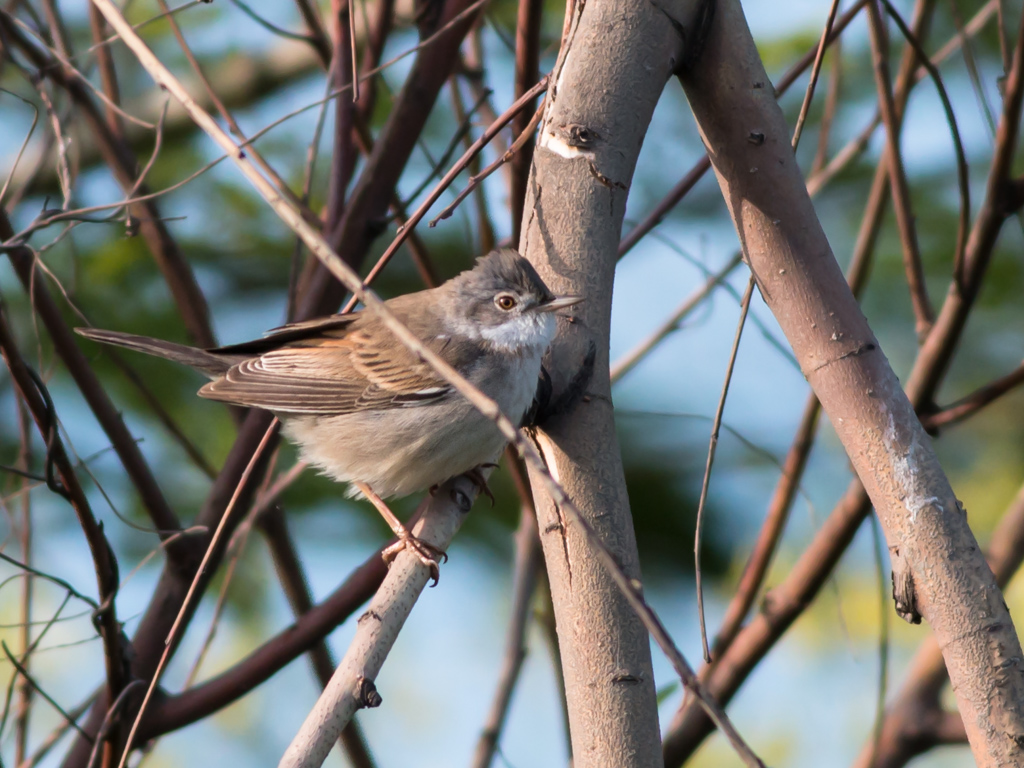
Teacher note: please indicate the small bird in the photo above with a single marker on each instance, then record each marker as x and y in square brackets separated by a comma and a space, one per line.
[367, 411]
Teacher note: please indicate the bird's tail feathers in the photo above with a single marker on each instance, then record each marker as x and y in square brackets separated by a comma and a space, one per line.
[208, 363]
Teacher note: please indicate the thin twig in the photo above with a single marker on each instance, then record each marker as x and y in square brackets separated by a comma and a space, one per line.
[474, 181]
[24, 703]
[444, 183]
[528, 560]
[628, 361]
[962, 175]
[108, 72]
[49, 699]
[819, 58]
[318, 36]
[828, 114]
[900, 188]
[24, 143]
[485, 228]
[57, 734]
[186, 606]
[970, 404]
[713, 445]
[527, 72]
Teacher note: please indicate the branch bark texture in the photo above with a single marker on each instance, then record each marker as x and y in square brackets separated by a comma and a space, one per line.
[615, 60]
[938, 570]
[351, 687]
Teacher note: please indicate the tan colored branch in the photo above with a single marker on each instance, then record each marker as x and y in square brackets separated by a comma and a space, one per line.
[938, 570]
[351, 688]
[914, 720]
[612, 68]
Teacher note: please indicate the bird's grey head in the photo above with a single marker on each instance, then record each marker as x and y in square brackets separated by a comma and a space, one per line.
[503, 300]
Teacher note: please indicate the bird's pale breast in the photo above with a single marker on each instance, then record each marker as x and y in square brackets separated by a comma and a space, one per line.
[399, 451]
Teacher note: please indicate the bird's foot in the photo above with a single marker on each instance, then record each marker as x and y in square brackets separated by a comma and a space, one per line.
[428, 554]
[476, 476]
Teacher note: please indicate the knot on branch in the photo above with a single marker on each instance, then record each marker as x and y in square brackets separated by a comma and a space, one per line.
[366, 695]
[904, 595]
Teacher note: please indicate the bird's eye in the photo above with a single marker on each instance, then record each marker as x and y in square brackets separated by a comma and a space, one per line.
[505, 301]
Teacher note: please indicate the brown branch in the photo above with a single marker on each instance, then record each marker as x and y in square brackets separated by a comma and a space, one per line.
[108, 72]
[177, 711]
[796, 458]
[484, 225]
[832, 100]
[518, 145]
[528, 562]
[373, 193]
[527, 73]
[180, 280]
[37, 399]
[317, 35]
[819, 58]
[95, 395]
[970, 404]
[963, 181]
[939, 347]
[756, 568]
[343, 159]
[373, 50]
[899, 187]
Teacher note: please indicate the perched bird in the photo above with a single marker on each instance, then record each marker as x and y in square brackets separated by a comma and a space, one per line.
[366, 410]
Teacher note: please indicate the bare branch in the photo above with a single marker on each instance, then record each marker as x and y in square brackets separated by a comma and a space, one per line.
[900, 189]
[351, 688]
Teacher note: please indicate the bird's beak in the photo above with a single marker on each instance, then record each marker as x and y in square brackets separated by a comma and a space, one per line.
[558, 302]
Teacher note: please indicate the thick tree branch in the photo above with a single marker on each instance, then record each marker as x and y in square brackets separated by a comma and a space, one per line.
[938, 570]
[612, 68]
[916, 721]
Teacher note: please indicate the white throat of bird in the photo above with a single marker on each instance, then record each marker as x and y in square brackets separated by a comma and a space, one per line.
[528, 332]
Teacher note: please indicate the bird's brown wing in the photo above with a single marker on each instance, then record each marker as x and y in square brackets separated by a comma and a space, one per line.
[334, 370]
